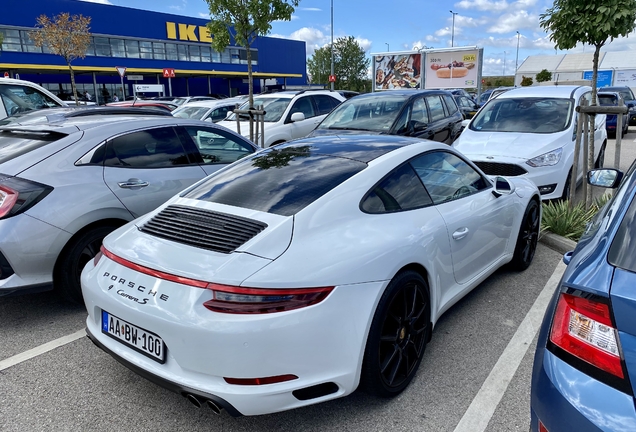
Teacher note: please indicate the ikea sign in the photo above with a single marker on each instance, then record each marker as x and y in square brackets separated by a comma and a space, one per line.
[188, 32]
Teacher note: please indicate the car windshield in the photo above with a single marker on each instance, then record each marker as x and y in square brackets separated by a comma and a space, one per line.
[196, 113]
[607, 100]
[372, 113]
[279, 181]
[274, 108]
[527, 115]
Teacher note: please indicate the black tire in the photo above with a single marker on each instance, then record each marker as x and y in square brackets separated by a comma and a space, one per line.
[398, 336]
[600, 160]
[72, 260]
[528, 237]
[566, 189]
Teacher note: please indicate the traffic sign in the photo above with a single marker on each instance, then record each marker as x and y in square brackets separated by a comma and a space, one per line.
[168, 73]
[332, 78]
[121, 70]
[150, 88]
[135, 77]
[6, 74]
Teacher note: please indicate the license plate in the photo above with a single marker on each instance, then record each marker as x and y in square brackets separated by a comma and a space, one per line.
[139, 339]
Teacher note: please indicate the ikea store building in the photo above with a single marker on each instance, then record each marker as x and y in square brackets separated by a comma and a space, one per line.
[144, 43]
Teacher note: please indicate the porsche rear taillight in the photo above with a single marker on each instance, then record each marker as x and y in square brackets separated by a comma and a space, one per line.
[241, 300]
[583, 328]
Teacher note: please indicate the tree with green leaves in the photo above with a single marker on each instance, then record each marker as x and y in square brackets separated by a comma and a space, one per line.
[543, 76]
[591, 22]
[526, 81]
[244, 20]
[350, 64]
[64, 35]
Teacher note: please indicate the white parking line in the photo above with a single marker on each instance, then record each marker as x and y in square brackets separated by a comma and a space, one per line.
[26, 355]
[483, 406]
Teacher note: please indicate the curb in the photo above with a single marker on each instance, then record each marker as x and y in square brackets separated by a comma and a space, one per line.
[557, 242]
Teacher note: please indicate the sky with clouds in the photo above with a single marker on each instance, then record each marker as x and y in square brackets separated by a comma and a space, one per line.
[379, 26]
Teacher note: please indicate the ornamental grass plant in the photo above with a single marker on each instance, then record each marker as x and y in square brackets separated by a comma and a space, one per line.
[570, 222]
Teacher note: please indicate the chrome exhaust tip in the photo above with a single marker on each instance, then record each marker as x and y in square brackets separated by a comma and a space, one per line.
[213, 406]
[193, 400]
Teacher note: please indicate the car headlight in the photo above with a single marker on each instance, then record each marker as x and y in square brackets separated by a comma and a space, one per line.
[632, 109]
[546, 159]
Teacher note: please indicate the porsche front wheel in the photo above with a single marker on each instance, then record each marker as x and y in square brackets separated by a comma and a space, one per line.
[397, 339]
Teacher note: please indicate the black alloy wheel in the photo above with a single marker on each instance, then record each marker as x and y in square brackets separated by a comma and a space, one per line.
[528, 237]
[397, 339]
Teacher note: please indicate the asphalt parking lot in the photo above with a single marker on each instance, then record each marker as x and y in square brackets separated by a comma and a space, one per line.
[475, 374]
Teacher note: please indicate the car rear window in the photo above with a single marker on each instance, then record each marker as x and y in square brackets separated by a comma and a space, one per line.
[279, 181]
[17, 143]
[621, 253]
[375, 113]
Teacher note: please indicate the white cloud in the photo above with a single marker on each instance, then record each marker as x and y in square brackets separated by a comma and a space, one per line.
[106, 2]
[310, 9]
[483, 5]
[364, 43]
[204, 15]
[313, 38]
[446, 31]
[514, 21]
[294, 17]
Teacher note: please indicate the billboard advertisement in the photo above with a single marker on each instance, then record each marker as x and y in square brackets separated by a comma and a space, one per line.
[603, 77]
[397, 71]
[625, 78]
[452, 69]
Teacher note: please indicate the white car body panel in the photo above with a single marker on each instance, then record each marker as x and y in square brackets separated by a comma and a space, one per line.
[330, 242]
[29, 84]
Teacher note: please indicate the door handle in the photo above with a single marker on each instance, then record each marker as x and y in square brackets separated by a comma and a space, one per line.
[133, 183]
[460, 233]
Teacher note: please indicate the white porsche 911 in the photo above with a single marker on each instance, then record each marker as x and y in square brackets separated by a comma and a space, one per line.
[296, 274]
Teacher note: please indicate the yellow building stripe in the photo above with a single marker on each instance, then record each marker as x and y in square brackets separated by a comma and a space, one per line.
[111, 69]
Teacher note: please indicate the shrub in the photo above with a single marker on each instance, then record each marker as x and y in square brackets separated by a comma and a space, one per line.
[570, 222]
[526, 81]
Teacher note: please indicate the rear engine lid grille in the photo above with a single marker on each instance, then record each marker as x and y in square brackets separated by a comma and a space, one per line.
[502, 169]
[205, 229]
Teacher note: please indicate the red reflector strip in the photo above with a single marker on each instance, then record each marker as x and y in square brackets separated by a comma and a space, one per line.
[260, 381]
[542, 428]
[156, 273]
[563, 332]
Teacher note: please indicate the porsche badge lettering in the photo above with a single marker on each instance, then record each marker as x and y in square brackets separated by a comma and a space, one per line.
[133, 285]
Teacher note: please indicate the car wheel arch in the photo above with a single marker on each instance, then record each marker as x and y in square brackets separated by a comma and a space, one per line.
[426, 275]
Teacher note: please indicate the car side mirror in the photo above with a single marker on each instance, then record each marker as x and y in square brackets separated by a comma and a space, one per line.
[606, 177]
[503, 187]
[208, 119]
[297, 116]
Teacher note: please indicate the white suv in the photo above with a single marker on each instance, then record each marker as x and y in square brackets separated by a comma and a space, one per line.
[531, 132]
[289, 114]
[18, 96]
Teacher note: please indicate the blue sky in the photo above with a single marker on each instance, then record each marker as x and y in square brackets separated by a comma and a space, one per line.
[403, 25]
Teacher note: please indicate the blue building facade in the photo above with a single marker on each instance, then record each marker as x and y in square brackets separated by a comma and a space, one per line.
[144, 43]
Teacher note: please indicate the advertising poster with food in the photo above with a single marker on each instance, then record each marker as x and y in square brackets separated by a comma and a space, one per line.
[397, 71]
[452, 69]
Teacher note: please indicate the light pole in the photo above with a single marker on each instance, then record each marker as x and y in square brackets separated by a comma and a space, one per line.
[504, 69]
[453, 29]
[332, 67]
[387, 47]
[517, 59]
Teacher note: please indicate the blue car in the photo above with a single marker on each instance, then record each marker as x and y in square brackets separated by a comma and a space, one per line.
[584, 373]
[611, 123]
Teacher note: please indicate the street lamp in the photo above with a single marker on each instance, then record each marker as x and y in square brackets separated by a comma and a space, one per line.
[387, 47]
[517, 59]
[453, 30]
[332, 67]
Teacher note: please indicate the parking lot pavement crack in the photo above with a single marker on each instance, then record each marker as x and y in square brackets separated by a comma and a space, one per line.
[39, 350]
[483, 406]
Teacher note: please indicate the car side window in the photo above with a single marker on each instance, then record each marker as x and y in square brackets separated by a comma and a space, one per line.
[325, 104]
[436, 109]
[447, 177]
[152, 148]
[216, 146]
[17, 99]
[419, 117]
[450, 104]
[304, 106]
[398, 191]
[218, 114]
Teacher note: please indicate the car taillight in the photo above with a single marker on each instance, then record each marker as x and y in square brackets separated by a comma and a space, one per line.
[583, 328]
[18, 195]
[240, 300]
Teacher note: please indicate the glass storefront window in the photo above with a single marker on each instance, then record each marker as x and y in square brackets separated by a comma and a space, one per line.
[118, 47]
[183, 52]
[234, 56]
[171, 52]
[205, 54]
[216, 56]
[27, 43]
[159, 51]
[132, 48]
[102, 47]
[90, 51]
[11, 41]
[195, 53]
[145, 50]
[225, 56]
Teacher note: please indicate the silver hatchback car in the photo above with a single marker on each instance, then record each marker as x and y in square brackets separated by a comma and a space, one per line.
[66, 183]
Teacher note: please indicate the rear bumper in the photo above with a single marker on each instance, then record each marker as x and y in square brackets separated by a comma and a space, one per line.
[564, 398]
[162, 382]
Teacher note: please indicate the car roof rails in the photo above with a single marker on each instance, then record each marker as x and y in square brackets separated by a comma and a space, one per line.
[137, 111]
[314, 89]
